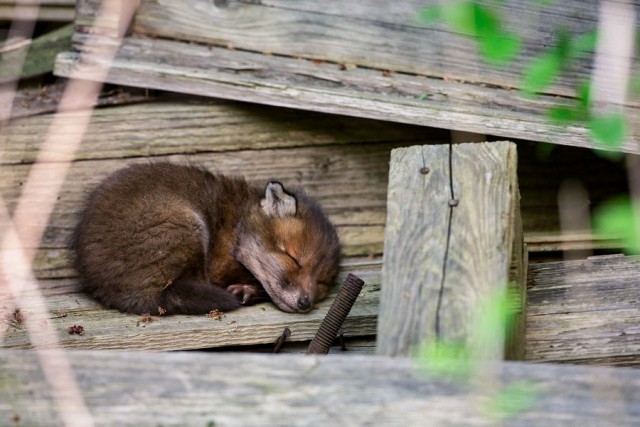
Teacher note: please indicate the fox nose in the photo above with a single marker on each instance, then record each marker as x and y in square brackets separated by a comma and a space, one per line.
[304, 303]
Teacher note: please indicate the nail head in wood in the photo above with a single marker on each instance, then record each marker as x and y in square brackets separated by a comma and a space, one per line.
[425, 170]
[453, 202]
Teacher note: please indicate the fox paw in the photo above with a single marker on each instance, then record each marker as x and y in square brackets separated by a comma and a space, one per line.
[246, 294]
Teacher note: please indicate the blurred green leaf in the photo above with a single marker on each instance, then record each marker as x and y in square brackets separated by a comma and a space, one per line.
[460, 16]
[500, 49]
[445, 358]
[561, 115]
[609, 130]
[540, 72]
[486, 20]
[617, 217]
[584, 95]
[544, 150]
[583, 44]
[512, 399]
[429, 14]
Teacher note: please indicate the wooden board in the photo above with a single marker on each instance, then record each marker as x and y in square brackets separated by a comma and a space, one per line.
[177, 389]
[319, 152]
[585, 311]
[252, 51]
[352, 32]
[36, 57]
[360, 92]
[307, 148]
[442, 262]
[259, 324]
[48, 10]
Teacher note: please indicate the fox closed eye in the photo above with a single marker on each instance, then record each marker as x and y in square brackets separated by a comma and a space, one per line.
[293, 259]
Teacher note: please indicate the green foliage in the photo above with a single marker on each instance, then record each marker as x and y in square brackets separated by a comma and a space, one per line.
[482, 23]
[499, 47]
[446, 359]
[618, 217]
[608, 130]
[496, 314]
[457, 361]
[512, 400]
[540, 73]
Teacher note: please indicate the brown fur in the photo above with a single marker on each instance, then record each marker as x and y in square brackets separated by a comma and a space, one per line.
[178, 237]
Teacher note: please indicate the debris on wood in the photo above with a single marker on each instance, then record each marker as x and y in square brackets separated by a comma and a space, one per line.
[145, 318]
[16, 318]
[216, 315]
[75, 330]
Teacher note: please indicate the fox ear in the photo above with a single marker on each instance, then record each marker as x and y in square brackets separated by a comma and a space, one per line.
[277, 202]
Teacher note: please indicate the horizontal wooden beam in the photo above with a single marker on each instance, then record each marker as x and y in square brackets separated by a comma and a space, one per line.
[110, 330]
[325, 87]
[48, 10]
[585, 311]
[189, 388]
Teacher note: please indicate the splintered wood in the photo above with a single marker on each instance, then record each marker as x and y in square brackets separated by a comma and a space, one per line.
[448, 250]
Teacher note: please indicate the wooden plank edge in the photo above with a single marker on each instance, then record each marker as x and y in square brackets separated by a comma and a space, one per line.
[443, 111]
[124, 388]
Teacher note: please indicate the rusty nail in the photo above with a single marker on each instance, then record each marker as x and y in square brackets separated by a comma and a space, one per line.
[281, 339]
[425, 170]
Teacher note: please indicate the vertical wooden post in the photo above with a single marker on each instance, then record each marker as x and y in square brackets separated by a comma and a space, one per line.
[452, 226]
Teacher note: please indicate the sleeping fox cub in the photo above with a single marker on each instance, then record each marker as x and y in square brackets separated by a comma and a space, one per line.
[161, 236]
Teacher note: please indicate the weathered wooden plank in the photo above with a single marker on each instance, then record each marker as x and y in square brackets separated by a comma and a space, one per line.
[448, 244]
[371, 34]
[194, 124]
[585, 311]
[515, 343]
[48, 10]
[32, 101]
[322, 171]
[39, 55]
[325, 87]
[205, 129]
[259, 324]
[233, 138]
[181, 388]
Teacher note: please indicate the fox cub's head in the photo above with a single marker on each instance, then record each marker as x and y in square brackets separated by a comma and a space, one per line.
[291, 247]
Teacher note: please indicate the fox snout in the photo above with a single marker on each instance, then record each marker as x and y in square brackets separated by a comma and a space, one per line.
[304, 302]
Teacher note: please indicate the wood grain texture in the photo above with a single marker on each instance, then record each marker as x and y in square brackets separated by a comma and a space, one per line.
[304, 147]
[324, 87]
[372, 34]
[515, 342]
[585, 311]
[48, 10]
[259, 324]
[442, 263]
[189, 125]
[177, 389]
[319, 152]
[39, 55]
